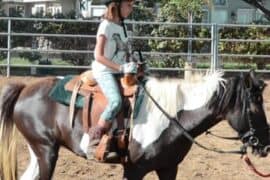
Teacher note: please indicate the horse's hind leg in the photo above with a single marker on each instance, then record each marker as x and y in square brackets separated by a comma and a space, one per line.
[32, 170]
[167, 174]
[47, 157]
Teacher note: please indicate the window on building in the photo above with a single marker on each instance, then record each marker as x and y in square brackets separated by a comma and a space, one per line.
[220, 2]
[97, 11]
[205, 15]
[245, 16]
[54, 9]
[38, 9]
[16, 10]
[260, 16]
[219, 16]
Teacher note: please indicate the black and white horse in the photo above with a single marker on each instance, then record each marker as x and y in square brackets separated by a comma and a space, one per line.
[157, 143]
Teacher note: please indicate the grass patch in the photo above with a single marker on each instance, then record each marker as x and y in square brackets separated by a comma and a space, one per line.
[24, 61]
[200, 65]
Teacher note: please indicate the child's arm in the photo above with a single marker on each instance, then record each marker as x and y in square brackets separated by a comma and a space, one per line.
[99, 54]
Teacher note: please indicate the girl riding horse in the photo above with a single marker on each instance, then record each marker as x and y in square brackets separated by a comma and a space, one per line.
[110, 59]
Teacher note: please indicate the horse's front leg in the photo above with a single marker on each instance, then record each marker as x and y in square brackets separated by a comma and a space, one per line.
[132, 172]
[167, 174]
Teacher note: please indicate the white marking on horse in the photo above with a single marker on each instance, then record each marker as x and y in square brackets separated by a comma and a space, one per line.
[172, 96]
[32, 171]
[85, 142]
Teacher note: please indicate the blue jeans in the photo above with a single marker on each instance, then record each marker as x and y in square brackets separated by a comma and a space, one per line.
[110, 89]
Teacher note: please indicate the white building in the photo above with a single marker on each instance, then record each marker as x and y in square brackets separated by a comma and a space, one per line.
[233, 11]
[220, 11]
[31, 7]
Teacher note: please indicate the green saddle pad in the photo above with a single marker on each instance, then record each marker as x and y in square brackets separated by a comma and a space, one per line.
[59, 94]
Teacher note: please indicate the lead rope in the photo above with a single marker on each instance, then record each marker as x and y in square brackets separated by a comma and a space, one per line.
[253, 168]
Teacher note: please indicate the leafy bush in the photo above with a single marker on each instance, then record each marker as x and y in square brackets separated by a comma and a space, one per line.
[252, 48]
[31, 56]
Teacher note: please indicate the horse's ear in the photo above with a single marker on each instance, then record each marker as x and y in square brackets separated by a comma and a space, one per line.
[252, 74]
[248, 78]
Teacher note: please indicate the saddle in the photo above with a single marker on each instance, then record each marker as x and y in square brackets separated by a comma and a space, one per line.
[94, 103]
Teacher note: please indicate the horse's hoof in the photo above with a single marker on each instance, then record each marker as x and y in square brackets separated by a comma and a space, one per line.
[112, 157]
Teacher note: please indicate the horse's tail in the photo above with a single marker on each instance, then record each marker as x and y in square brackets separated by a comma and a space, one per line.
[8, 158]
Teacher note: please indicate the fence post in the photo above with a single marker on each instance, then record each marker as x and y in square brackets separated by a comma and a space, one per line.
[189, 64]
[8, 47]
[214, 47]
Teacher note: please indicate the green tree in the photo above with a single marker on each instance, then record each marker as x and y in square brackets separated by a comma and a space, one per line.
[142, 13]
[78, 43]
[177, 11]
[252, 48]
[1, 9]
[3, 28]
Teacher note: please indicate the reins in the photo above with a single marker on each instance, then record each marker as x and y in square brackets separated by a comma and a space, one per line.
[242, 150]
[222, 137]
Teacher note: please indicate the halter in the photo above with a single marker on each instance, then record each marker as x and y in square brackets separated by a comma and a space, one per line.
[251, 135]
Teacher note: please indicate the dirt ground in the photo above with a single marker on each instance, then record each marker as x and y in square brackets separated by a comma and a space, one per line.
[199, 164]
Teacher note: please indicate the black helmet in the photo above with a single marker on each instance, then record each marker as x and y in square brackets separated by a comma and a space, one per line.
[107, 2]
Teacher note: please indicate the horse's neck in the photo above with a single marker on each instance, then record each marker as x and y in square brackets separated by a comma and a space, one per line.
[200, 120]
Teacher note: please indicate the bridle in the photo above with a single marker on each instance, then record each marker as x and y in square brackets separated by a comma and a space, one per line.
[250, 137]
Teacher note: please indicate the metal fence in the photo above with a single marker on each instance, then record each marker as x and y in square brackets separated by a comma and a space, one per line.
[213, 55]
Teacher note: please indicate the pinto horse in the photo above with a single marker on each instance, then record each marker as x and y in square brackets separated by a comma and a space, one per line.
[156, 144]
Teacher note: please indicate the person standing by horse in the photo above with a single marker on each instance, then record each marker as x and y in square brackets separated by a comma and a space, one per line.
[111, 57]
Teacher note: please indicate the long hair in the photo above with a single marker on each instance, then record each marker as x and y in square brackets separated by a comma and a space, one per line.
[112, 11]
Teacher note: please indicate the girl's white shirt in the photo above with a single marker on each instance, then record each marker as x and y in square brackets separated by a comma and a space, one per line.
[115, 48]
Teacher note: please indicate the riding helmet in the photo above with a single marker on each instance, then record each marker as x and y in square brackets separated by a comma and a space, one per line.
[107, 2]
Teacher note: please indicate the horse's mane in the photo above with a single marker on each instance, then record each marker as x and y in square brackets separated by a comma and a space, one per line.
[232, 94]
[177, 94]
[172, 95]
